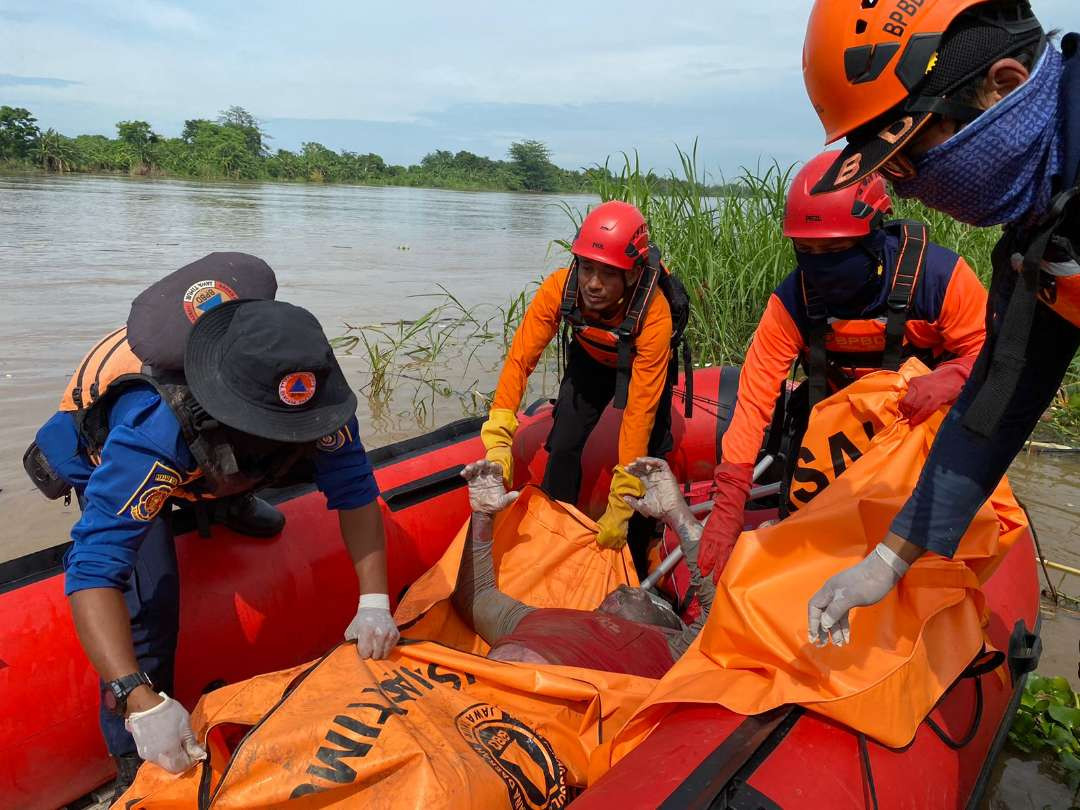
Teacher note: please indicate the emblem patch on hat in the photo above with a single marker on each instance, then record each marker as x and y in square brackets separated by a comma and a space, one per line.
[203, 296]
[297, 388]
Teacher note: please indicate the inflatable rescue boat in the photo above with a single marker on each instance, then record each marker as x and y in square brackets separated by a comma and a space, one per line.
[251, 606]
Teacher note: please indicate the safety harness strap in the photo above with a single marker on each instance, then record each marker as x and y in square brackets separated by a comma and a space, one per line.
[688, 379]
[628, 330]
[654, 277]
[909, 265]
[568, 309]
[1000, 366]
[908, 270]
[817, 359]
[623, 366]
[211, 444]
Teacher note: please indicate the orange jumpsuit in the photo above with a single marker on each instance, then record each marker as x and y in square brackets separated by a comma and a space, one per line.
[946, 320]
[649, 372]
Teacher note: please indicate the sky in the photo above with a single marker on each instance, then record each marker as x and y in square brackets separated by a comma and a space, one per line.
[403, 79]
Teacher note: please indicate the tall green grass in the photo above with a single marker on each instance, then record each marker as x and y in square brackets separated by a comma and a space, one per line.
[730, 251]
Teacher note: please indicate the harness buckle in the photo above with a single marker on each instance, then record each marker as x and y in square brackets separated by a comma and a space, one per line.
[897, 306]
[200, 419]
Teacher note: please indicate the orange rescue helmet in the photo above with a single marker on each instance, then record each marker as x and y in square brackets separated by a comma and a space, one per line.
[851, 212]
[877, 72]
[613, 233]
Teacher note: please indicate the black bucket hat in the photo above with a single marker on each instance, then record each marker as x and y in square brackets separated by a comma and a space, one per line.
[266, 368]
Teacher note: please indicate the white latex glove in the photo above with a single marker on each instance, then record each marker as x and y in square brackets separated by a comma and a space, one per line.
[487, 493]
[864, 584]
[373, 628]
[163, 736]
[663, 499]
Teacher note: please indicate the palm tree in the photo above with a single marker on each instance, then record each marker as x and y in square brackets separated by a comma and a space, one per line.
[56, 153]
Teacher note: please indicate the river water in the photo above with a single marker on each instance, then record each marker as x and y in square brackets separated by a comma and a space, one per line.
[74, 252]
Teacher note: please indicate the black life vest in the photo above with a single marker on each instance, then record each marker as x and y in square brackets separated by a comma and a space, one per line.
[824, 365]
[617, 343]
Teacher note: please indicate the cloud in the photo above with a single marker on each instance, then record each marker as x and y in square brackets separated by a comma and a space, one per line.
[405, 79]
[10, 80]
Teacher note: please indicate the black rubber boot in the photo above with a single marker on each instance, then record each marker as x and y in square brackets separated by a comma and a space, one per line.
[246, 514]
[126, 768]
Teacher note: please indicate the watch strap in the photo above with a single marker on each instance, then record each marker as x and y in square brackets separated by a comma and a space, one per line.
[120, 688]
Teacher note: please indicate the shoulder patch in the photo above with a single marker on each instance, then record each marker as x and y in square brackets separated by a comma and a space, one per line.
[335, 441]
[150, 496]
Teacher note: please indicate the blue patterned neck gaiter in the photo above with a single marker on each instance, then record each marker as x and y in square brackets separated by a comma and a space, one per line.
[999, 169]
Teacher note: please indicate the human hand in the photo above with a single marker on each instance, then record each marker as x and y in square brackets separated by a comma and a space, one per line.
[487, 492]
[864, 584]
[497, 434]
[163, 735]
[725, 522]
[373, 628]
[663, 499]
[929, 392]
[616, 518]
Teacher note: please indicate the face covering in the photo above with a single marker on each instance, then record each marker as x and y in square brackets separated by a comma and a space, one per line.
[847, 280]
[999, 169]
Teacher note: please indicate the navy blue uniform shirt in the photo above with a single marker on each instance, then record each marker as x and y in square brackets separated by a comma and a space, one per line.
[145, 459]
[963, 468]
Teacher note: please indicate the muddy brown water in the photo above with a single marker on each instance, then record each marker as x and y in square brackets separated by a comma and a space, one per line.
[74, 251]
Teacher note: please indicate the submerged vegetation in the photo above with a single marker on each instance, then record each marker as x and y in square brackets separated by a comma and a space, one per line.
[449, 340]
[235, 147]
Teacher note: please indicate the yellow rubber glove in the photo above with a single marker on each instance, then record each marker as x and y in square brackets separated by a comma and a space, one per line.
[497, 434]
[613, 522]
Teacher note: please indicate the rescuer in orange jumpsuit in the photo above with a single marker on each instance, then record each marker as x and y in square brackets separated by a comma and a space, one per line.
[866, 295]
[620, 328]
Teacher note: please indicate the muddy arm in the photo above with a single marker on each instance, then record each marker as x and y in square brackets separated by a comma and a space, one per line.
[689, 532]
[489, 611]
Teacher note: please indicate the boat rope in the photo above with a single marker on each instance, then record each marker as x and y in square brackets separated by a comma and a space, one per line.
[698, 399]
[1054, 595]
[976, 720]
[864, 753]
[985, 663]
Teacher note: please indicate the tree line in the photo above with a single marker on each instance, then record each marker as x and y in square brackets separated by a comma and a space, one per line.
[235, 147]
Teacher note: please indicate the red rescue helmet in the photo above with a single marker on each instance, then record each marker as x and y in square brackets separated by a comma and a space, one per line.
[851, 212]
[613, 233]
[877, 72]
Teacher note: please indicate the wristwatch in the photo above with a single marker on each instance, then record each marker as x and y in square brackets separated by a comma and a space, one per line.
[115, 695]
